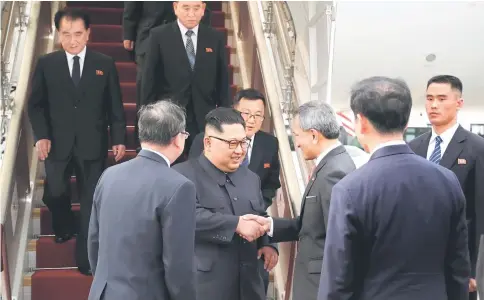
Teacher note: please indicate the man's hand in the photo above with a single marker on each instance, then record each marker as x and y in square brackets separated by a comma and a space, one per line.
[270, 257]
[128, 45]
[472, 285]
[43, 148]
[249, 230]
[119, 151]
[264, 222]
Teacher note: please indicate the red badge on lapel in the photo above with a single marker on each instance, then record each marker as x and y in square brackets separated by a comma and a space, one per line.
[267, 166]
[99, 73]
[208, 50]
[461, 161]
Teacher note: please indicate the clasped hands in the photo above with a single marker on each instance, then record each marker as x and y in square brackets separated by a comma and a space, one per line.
[251, 227]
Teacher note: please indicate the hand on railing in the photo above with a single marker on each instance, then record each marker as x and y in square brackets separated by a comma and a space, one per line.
[43, 148]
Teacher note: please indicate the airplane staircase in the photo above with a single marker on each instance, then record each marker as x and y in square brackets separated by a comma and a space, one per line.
[34, 267]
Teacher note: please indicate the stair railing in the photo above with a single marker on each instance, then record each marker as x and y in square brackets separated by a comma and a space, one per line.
[30, 34]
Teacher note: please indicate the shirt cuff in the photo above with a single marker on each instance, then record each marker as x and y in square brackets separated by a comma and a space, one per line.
[271, 231]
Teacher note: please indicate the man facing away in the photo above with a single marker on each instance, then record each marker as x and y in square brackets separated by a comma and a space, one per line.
[187, 62]
[262, 154]
[316, 130]
[227, 246]
[459, 150]
[75, 97]
[142, 229]
[397, 227]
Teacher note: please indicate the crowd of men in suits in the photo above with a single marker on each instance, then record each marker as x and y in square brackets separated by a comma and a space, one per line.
[186, 219]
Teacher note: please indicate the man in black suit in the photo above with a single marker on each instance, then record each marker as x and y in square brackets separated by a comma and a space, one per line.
[139, 18]
[186, 61]
[262, 155]
[453, 147]
[396, 227]
[227, 245]
[75, 97]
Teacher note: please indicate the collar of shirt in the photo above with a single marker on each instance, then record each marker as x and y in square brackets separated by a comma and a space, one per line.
[386, 144]
[184, 30]
[82, 55]
[446, 136]
[251, 146]
[325, 152]
[162, 156]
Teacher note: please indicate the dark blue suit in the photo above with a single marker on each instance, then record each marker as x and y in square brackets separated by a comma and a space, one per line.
[396, 230]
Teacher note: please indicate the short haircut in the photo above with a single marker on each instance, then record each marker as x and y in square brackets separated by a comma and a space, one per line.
[319, 116]
[220, 116]
[160, 122]
[72, 14]
[249, 94]
[453, 81]
[385, 102]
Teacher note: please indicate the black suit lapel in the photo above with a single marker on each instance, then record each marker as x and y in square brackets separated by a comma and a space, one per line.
[64, 70]
[88, 72]
[202, 41]
[454, 149]
[256, 154]
[179, 43]
[423, 147]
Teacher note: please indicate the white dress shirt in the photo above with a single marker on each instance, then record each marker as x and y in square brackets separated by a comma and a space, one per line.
[249, 150]
[194, 36]
[318, 160]
[164, 157]
[446, 137]
[70, 60]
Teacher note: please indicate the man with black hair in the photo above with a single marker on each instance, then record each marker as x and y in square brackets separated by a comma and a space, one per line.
[187, 62]
[450, 145]
[75, 97]
[397, 225]
[227, 245]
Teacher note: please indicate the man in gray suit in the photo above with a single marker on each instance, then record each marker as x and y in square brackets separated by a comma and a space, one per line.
[227, 246]
[142, 231]
[316, 132]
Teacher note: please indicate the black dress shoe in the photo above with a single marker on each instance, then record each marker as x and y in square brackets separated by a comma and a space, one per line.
[85, 271]
[62, 238]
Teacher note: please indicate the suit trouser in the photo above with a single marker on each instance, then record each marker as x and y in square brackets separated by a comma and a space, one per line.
[57, 197]
[139, 71]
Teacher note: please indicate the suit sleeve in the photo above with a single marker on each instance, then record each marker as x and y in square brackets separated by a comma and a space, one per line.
[153, 63]
[325, 186]
[224, 99]
[341, 255]
[93, 232]
[38, 103]
[479, 201]
[117, 120]
[215, 227]
[272, 182]
[196, 148]
[285, 230]
[131, 17]
[178, 234]
[457, 263]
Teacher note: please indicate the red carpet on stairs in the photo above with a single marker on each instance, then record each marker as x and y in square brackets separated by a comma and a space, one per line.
[106, 37]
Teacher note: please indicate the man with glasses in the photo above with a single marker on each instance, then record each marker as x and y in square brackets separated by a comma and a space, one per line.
[227, 245]
[262, 155]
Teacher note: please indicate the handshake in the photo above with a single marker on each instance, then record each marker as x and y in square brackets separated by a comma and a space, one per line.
[251, 227]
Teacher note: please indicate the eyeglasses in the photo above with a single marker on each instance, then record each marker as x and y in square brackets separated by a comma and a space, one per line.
[247, 116]
[185, 134]
[233, 144]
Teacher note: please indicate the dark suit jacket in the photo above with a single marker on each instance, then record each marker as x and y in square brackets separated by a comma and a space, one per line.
[167, 72]
[227, 264]
[397, 231]
[79, 116]
[310, 227]
[469, 147]
[141, 240]
[264, 162]
[140, 17]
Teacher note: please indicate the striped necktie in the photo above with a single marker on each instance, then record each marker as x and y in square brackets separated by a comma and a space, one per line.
[190, 48]
[437, 154]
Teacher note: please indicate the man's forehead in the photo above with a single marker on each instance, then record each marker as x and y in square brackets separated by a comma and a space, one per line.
[69, 24]
[233, 131]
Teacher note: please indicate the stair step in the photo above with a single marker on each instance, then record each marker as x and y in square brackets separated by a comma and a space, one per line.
[60, 285]
[105, 15]
[126, 71]
[106, 4]
[50, 254]
[128, 89]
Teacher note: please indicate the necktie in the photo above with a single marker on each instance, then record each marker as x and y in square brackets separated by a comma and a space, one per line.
[190, 48]
[436, 155]
[76, 71]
